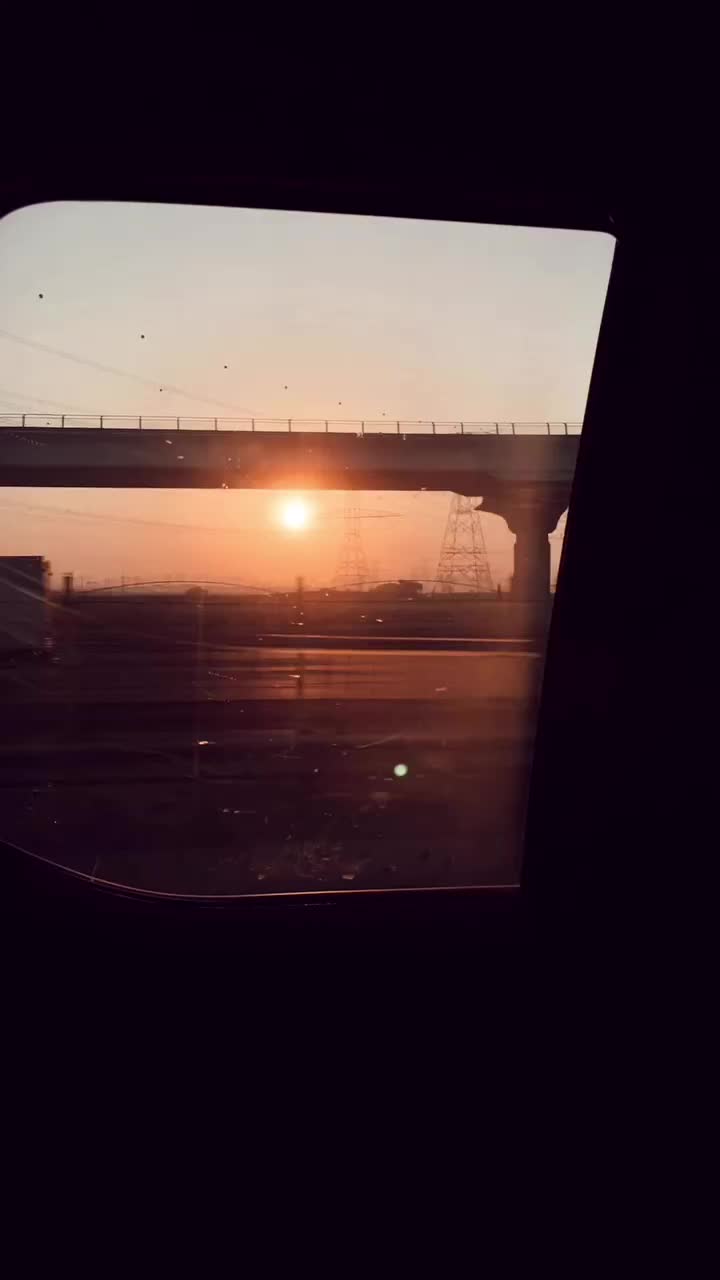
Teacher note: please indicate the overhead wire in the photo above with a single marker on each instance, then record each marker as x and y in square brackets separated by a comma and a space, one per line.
[51, 511]
[21, 397]
[121, 373]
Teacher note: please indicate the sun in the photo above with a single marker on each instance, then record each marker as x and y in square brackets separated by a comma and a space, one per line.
[295, 514]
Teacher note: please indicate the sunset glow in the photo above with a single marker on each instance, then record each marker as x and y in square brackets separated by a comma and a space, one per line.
[295, 514]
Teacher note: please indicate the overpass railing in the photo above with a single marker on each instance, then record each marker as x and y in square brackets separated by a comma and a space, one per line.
[365, 426]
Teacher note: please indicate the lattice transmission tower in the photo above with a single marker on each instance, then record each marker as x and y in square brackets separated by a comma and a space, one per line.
[463, 563]
[352, 567]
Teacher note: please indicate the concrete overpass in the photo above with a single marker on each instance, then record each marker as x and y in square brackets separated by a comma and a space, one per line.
[523, 472]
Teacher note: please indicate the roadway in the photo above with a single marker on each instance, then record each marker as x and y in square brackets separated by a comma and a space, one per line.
[217, 769]
[505, 669]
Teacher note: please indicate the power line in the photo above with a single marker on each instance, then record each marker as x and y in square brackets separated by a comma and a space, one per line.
[50, 510]
[120, 373]
[38, 509]
[21, 397]
[359, 512]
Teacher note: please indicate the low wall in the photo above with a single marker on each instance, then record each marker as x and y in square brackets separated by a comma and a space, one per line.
[228, 620]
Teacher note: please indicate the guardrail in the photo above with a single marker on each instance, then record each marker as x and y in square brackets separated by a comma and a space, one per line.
[383, 426]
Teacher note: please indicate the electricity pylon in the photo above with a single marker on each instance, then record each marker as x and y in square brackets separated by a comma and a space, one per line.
[352, 567]
[463, 563]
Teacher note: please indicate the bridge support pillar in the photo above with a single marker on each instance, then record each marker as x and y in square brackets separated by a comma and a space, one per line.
[531, 567]
[531, 514]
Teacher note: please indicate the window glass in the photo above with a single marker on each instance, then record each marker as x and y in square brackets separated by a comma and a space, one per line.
[282, 511]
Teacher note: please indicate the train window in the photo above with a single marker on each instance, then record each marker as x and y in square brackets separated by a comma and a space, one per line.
[282, 508]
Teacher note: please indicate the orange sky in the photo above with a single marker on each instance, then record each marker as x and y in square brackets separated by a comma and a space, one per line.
[278, 314]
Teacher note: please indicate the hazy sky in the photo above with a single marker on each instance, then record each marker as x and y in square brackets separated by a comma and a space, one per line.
[357, 317]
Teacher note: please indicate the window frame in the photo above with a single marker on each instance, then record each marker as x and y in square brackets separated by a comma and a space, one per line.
[547, 855]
